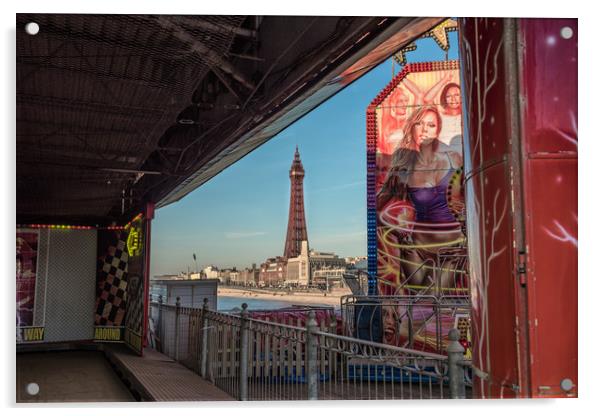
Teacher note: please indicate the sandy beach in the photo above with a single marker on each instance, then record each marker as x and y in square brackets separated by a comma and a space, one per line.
[331, 299]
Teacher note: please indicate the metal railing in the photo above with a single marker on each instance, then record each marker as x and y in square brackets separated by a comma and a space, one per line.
[255, 359]
[415, 322]
[357, 282]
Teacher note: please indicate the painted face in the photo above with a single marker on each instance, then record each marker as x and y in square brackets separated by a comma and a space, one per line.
[403, 99]
[425, 130]
[389, 325]
[453, 98]
[400, 102]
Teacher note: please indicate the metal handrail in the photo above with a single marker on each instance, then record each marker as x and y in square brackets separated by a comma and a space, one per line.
[255, 359]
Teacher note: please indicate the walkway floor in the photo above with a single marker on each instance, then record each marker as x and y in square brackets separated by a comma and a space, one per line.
[68, 376]
[159, 378]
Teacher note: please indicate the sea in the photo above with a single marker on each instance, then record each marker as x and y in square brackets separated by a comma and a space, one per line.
[226, 303]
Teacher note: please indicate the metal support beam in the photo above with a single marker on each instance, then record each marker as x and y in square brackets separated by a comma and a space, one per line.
[217, 28]
[206, 54]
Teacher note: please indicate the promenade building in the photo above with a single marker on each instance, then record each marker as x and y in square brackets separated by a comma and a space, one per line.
[249, 276]
[298, 272]
[211, 272]
[328, 277]
[273, 271]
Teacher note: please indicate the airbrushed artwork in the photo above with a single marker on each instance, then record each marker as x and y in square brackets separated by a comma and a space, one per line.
[419, 201]
[27, 260]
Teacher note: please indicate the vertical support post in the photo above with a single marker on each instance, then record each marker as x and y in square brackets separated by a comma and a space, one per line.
[243, 364]
[160, 323]
[311, 356]
[204, 335]
[455, 355]
[149, 214]
[177, 330]
[151, 336]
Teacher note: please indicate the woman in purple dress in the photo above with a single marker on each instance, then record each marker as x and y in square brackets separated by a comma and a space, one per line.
[419, 178]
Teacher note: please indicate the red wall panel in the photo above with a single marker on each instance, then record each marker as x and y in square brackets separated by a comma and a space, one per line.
[549, 123]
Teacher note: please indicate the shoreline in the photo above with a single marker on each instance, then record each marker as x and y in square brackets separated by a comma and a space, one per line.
[313, 299]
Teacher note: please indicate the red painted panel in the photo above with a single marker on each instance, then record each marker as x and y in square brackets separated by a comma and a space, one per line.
[489, 212]
[492, 285]
[549, 80]
[548, 114]
[551, 187]
[484, 90]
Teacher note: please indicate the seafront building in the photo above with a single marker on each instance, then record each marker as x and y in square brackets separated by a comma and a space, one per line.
[273, 271]
[211, 272]
[298, 271]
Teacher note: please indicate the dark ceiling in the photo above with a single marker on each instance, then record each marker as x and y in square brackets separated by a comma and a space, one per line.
[114, 111]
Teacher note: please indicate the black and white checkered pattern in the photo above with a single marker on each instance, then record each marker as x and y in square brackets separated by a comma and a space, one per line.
[111, 302]
[135, 309]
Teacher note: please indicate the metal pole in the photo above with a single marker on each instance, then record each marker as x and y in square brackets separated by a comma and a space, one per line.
[151, 335]
[455, 355]
[243, 365]
[160, 323]
[311, 358]
[177, 329]
[204, 334]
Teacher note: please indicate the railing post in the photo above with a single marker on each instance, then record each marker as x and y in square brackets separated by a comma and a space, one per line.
[455, 355]
[333, 324]
[177, 330]
[204, 333]
[311, 356]
[243, 364]
[160, 323]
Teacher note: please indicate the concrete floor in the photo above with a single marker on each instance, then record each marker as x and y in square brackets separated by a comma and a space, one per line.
[70, 376]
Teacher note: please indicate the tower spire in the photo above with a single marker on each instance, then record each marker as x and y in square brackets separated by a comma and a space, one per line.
[296, 231]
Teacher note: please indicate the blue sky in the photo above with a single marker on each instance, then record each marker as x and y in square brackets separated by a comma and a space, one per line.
[239, 217]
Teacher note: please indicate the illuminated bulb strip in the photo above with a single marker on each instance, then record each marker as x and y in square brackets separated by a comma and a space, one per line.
[57, 227]
[68, 227]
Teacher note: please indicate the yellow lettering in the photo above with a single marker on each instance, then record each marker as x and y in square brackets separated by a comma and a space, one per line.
[33, 334]
[107, 334]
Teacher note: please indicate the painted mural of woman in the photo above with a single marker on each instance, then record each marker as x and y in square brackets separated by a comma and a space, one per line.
[451, 117]
[415, 215]
[398, 107]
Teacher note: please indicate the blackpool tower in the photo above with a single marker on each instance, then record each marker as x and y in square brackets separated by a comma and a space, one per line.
[296, 231]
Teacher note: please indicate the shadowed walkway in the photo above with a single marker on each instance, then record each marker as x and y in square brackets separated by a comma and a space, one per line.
[159, 378]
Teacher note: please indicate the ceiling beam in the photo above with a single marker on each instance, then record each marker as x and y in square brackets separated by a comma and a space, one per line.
[89, 106]
[217, 27]
[206, 54]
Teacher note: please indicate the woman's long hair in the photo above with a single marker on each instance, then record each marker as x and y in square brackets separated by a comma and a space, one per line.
[404, 159]
[442, 97]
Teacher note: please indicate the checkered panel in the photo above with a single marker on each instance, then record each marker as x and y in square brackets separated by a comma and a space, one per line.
[113, 285]
[70, 292]
[135, 312]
